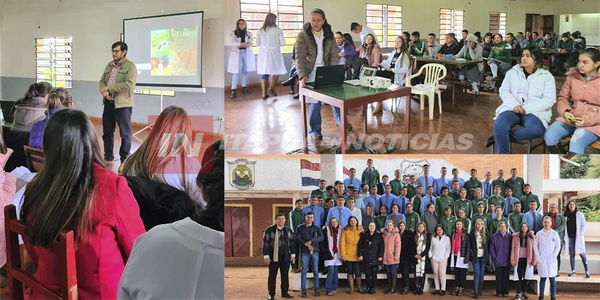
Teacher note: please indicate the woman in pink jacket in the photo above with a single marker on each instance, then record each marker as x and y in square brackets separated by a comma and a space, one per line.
[370, 51]
[578, 107]
[522, 258]
[391, 254]
[74, 191]
[8, 185]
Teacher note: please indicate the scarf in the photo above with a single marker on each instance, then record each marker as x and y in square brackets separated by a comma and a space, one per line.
[553, 216]
[335, 237]
[456, 239]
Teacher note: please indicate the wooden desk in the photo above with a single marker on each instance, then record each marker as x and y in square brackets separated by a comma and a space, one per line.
[347, 96]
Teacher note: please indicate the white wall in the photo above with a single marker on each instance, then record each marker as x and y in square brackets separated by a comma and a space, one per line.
[94, 26]
[407, 166]
[587, 24]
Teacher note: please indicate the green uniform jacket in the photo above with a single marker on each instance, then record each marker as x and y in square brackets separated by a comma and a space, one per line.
[497, 201]
[502, 55]
[516, 186]
[124, 82]
[474, 205]
[466, 223]
[417, 49]
[412, 220]
[458, 204]
[448, 224]
[561, 225]
[514, 221]
[472, 183]
[416, 201]
[502, 184]
[441, 203]
[526, 199]
[379, 222]
[495, 223]
[487, 221]
[410, 191]
[318, 193]
[295, 219]
[396, 186]
[454, 196]
[373, 179]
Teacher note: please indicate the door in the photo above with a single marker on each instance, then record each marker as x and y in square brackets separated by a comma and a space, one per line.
[548, 24]
[237, 231]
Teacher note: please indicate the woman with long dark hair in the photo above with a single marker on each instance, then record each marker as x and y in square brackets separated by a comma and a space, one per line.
[31, 108]
[397, 64]
[522, 258]
[528, 93]
[461, 255]
[241, 59]
[370, 51]
[370, 252]
[316, 47]
[407, 256]
[574, 241]
[348, 252]
[331, 255]
[422, 244]
[270, 39]
[438, 255]
[349, 40]
[74, 191]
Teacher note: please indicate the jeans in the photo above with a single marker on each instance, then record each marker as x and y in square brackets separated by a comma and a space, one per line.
[391, 270]
[264, 76]
[332, 279]
[581, 137]
[314, 117]
[314, 260]
[531, 128]
[119, 116]
[405, 269]
[241, 71]
[552, 286]
[479, 270]
[572, 255]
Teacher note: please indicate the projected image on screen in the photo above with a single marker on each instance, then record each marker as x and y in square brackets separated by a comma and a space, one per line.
[166, 49]
[174, 52]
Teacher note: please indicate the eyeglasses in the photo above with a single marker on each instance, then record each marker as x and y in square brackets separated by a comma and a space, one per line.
[115, 51]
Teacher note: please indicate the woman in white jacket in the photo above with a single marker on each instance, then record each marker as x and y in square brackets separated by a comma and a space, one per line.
[399, 63]
[528, 94]
[241, 59]
[574, 241]
[474, 73]
[438, 255]
[269, 39]
[546, 247]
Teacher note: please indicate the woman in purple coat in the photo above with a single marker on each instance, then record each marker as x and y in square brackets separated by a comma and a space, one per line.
[500, 246]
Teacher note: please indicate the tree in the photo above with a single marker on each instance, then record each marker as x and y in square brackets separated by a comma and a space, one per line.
[594, 170]
[570, 171]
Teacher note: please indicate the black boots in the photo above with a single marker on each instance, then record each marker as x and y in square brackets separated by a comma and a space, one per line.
[245, 91]
[557, 149]
[393, 290]
[389, 281]
[476, 293]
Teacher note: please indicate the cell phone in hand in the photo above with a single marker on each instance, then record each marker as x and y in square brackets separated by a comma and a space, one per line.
[571, 118]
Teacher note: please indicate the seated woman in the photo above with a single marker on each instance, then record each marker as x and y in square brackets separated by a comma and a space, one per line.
[179, 170]
[528, 94]
[59, 98]
[370, 52]
[347, 55]
[8, 184]
[499, 59]
[578, 107]
[397, 64]
[192, 249]
[74, 188]
[349, 40]
[31, 108]
[474, 73]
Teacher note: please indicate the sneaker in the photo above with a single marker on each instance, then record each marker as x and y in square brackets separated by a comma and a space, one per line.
[304, 294]
[587, 274]
[524, 296]
[297, 96]
[318, 136]
[317, 293]
[246, 91]
[517, 297]
[286, 295]
[349, 127]
[233, 94]
[572, 274]
[271, 297]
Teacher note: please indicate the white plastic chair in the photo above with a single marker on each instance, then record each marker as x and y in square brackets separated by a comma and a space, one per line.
[433, 74]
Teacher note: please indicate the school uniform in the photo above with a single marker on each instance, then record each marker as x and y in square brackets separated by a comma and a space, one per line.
[370, 176]
[425, 202]
[401, 201]
[527, 198]
[438, 183]
[472, 182]
[501, 183]
[498, 200]
[396, 218]
[441, 203]
[430, 220]
[534, 220]
[396, 185]
[464, 204]
[516, 183]
[514, 221]
[342, 214]
[352, 181]
[411, 191]
[487, 188]
[373, 200]
[416, 201]
[509, 205]
[318, 212]
[412, 219]
[425, 181]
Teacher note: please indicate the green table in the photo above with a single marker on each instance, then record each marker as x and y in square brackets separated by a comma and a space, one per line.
[6, 124]
[347, 96]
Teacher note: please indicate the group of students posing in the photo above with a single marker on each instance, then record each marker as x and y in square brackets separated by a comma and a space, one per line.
[178, 197]
[457, 233]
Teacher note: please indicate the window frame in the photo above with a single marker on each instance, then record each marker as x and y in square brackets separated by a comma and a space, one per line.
[384, 41]
[500, 16]
[453, 29]
[55, 62]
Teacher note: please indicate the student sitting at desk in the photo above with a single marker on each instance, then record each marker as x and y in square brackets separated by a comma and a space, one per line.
[535, 40]
[568, 53]
[499, 59]
[398, 62]
[547, 43]
[474, 73]
[347, 54]
[416, 46]
[514, 45]
[487, 44]
[450, 47]
[433, 46]
[370, 52]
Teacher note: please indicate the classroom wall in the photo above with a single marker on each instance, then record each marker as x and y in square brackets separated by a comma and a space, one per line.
[415, 13]
[587, 24]
[94, 26]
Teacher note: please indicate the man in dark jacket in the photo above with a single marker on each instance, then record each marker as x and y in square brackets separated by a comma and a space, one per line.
[450, 47]
[309, 236]
[278, 244]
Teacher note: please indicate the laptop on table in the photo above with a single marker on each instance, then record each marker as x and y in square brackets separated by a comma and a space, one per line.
[328, 76]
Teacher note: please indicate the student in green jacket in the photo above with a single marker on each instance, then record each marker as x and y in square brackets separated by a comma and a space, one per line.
[295, 221]
[515, 218]
[447, 221]
[500, 182]
[412, 218]
[473, 181]
[462, 215]
[528, 196]
[499, 59]
[499, 219]
[455, 192]
[479, 198]
[411, 187]
[487, 221]
[370, 175]
[322, 190]
[463, 203]
[516, 183]
[397, 183]
[416, 46]
[416, 199]
[443, 201]
[380, 219]
[497, 198]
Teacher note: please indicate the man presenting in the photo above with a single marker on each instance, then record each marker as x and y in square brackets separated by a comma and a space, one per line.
[116, 86]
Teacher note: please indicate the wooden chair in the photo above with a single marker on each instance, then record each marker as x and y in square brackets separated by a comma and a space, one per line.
[529, 143]
[17, 277]
[433, 74]
[34, 158]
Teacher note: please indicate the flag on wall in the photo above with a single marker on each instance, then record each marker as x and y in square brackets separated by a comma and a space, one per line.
[346, 172]
[310, 172]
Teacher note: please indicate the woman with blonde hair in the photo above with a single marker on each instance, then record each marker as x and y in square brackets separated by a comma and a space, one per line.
[480, 256]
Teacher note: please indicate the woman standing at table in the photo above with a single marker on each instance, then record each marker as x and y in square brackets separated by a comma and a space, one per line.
[370, 52]
[241, 59]
[474, 73]
[546, 248]
[270, 39]
[316, 47]
[499, 59]
[528, 94]
[348, 252]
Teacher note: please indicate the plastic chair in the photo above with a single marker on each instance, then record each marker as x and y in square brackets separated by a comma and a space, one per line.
[433, 74]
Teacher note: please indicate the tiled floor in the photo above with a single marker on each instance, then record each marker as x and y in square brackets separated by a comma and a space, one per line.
[274, 126]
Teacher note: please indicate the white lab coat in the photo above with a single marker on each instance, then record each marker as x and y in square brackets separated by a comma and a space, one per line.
[546, 249]
[234, 56]
[579, 239]
[184, 254]
[270, 59]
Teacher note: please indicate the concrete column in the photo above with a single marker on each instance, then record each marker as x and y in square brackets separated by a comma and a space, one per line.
[329, 168]
[534, 168]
